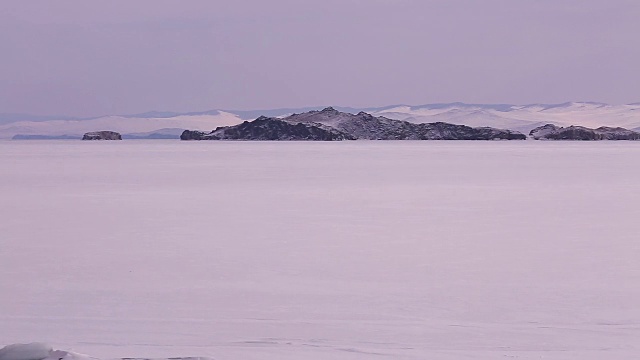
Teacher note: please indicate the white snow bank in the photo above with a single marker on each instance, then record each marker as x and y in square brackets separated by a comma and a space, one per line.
[38, 351]
[67, 355]
[42, 351]
[32, 351]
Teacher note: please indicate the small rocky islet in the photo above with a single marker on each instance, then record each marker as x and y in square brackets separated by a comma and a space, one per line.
[102, 135]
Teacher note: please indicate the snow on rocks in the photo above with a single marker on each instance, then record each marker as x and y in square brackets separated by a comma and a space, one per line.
[331, 124]
[367, 126]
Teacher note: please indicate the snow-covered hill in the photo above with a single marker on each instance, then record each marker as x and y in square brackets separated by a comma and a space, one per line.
[521, 118]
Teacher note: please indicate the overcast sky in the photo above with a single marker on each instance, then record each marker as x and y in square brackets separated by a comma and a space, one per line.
[85, 58]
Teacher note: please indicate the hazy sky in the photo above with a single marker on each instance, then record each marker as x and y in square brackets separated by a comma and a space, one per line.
[85, 57]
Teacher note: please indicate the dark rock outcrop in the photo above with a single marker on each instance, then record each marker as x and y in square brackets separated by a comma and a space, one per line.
[264, 128]
[198, 135]
[102, 135]
[445, 131]
[541, 131]
[330, 124]
[553, 132]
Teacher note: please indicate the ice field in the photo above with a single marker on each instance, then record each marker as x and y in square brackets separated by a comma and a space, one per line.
[310, 250]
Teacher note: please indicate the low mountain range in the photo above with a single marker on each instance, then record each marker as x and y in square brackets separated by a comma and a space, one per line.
[522, 118]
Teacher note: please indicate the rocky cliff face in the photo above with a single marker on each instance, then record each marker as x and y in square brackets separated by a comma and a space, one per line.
[102, 135]
[553, 132]
[330, 124]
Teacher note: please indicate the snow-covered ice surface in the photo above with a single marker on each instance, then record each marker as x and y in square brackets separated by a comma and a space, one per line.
[313, 250]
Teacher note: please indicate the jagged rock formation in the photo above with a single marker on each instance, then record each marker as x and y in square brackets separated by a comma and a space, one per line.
[553, 132]
[330, 124]
[366, 126]
[102, 135]
[264, 128]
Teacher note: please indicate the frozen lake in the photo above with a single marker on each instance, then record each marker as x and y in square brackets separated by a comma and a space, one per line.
[306, 251]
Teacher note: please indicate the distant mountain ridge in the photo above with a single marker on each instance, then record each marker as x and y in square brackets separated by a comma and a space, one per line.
[522, 118]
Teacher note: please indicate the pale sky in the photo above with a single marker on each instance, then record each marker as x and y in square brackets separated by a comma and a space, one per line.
[89, 58]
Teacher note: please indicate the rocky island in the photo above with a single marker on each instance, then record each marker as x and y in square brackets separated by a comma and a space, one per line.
[102, 135]
[553, 132]
[331, 125]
